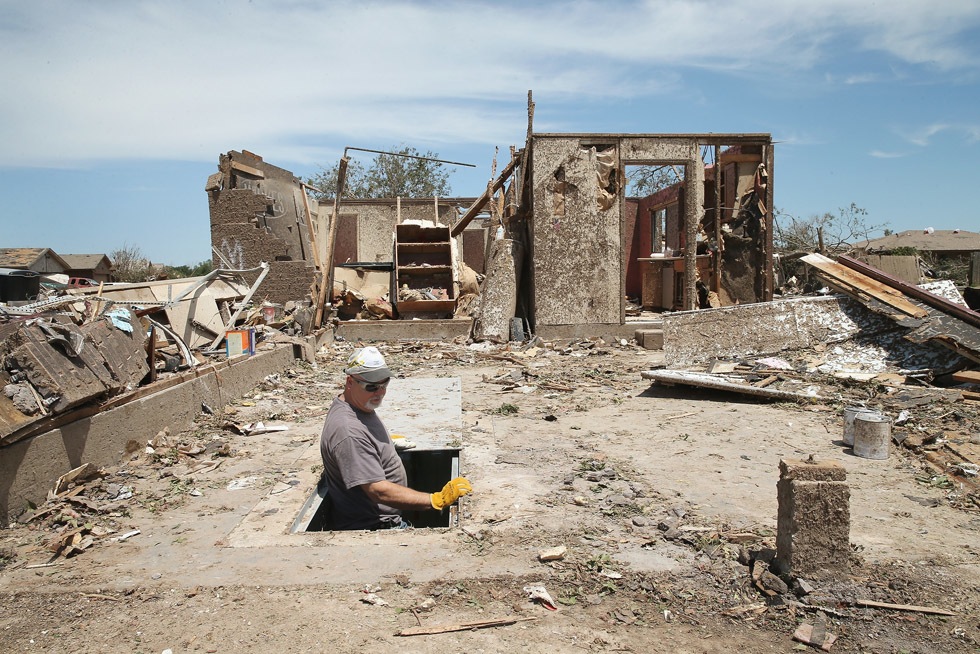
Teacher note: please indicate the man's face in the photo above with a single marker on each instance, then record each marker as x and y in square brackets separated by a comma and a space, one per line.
[364, 395]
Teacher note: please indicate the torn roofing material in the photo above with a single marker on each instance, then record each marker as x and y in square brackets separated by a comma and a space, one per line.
[834, 334]
[936, 320]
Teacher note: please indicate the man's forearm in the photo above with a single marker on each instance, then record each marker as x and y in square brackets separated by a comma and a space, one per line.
[397, 496]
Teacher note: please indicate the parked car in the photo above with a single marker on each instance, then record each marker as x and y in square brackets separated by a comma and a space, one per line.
[82, 282]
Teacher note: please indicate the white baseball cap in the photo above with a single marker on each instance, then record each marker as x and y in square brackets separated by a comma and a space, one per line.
[367, 363]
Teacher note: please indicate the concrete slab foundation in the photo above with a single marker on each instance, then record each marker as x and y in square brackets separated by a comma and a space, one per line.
[608, 332]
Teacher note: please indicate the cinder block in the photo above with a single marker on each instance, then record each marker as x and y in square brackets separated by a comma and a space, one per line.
[651, 339]
[813, 526]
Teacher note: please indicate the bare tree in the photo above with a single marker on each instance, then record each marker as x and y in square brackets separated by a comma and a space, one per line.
[829, 233]
[647, 180]
[129, 264]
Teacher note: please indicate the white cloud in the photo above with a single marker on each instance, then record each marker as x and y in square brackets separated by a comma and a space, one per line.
[90, 80]
[881, 154]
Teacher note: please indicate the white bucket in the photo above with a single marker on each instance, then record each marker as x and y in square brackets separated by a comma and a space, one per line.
[872, 436]
[849, 415]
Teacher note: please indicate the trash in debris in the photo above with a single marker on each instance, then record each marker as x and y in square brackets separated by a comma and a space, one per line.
[371, 598]
[965, 469]
[552, 554]
[253, 429]
[241, 483]
[540, 595]
[128, 535]
[814, 636]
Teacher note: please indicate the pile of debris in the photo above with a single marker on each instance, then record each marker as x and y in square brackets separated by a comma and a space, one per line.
[83, 351]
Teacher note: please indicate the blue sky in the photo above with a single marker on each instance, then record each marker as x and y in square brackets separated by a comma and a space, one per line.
[113, 112]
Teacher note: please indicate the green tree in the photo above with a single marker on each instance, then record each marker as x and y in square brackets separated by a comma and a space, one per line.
[830, 233]
[388, 176]
[199, 270]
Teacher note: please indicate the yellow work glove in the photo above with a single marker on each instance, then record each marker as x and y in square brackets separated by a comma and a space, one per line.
[452, 491]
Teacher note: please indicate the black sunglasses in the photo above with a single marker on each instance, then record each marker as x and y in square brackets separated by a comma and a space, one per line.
[371, 387]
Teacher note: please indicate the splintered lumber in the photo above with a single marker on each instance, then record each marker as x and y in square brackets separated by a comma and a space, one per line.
[462, 626]
[902, 607]
[853, 282]
[481, 201]
[958, 311]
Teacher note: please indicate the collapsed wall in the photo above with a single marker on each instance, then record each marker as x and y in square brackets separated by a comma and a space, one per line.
[259, 213]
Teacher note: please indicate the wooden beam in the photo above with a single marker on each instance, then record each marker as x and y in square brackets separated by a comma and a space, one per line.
[897, 285]
[967, 376]
[248, 170]
[462, 626]
[902, 607]
[326, 264]
[481, 201]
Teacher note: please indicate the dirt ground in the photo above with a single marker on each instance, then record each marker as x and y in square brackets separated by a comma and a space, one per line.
[660, 496]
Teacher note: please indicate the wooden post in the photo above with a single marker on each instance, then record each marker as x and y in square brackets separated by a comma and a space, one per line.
[719, 244]
[975, 270]
[309, 225]
[326, 273]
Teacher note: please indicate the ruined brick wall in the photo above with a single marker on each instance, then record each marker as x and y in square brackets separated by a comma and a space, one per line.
[242, 243]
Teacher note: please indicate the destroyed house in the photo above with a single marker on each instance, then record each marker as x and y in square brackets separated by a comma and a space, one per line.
[562, 246]
[590, 247]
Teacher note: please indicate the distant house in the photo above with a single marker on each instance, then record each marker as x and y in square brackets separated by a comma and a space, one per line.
[44, 261]
[941, 242]
[93, 266]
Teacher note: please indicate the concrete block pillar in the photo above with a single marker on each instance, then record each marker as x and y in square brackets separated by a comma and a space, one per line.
[814, 521]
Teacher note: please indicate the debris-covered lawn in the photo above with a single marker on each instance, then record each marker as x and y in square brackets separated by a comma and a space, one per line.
[609, 514]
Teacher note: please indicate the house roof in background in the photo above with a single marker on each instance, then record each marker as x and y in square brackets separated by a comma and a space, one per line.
[22, 258]
[939, 240]
[85, 261]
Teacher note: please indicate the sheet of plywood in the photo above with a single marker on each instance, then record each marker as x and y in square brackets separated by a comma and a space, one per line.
[198, 308]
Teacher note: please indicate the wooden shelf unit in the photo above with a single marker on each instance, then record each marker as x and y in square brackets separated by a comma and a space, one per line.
[423, 262]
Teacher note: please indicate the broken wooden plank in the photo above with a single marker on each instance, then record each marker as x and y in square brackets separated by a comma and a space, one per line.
[902, 607]
[967, 376]
[715, 382]
[248, 170]
[462, 626]
[958, 311]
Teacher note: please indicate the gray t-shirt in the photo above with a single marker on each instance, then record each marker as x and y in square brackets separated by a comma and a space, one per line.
[356, 449]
